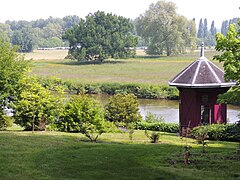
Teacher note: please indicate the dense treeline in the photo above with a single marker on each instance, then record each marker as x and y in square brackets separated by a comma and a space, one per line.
[41, 33]
[207, 35]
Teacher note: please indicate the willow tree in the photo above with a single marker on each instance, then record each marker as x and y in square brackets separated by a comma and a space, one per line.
[164, 30]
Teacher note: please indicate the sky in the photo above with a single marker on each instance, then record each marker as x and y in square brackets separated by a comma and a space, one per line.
[217, 10]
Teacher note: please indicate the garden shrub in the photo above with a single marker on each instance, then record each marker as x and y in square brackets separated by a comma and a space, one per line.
[83, 114]
[158, 126]
[122, 108]
[222, 132]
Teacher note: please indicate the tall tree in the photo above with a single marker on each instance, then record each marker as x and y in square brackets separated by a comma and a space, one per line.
[162, 28]
[100, 36]
[224, 27]
[213, 29]
[205, 28]
[200, 33]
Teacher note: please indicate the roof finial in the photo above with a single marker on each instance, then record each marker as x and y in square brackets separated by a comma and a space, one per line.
[202, 50]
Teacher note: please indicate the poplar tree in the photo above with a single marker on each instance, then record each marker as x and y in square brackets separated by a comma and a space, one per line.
[205, 29]
[213, 29]
[200, 33]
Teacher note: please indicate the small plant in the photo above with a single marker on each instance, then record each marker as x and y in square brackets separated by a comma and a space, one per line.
[187, 154]
[130, 128]
[201, 135]
[154, 136]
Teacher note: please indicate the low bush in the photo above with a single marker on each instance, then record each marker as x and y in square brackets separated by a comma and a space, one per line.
[154, 136]
[228, 132]
[158, 126]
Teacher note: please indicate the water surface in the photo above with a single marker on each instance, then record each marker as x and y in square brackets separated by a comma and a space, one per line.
[168, 109]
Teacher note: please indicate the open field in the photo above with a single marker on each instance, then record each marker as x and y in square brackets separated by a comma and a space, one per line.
[142, 69]
[56, 155]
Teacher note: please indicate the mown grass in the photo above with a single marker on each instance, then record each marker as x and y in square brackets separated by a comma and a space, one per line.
[142, 69]
[56, 155]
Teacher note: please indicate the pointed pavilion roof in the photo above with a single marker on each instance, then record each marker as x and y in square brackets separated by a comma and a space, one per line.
[202, 73]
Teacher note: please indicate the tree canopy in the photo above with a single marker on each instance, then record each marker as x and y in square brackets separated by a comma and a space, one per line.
[229, 45]
[100, 36]
[164, 30]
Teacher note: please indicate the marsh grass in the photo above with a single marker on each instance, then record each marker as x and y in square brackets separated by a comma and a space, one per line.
[56, 155]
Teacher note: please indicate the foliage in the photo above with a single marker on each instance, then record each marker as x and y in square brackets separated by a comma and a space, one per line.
[232, 96]
[228, 132]
[101, 36]
[5, 122]
[83, 114]
[40, 33]
[139, 90]
[208, 37]
[230, 46]
[13, 68]
[226, 23]
[159, 126]
[153, 118]
[154, 136]
[201, 136]
[122, 108]
[23, 39]
[36, 106]
[164, 30]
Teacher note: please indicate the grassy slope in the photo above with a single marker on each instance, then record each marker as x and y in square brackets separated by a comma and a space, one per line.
[144, 69]
[55, 155]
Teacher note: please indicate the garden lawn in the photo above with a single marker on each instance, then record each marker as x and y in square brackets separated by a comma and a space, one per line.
[56, 155]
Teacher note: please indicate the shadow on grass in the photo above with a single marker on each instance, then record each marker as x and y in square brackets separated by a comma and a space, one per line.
[73, 62]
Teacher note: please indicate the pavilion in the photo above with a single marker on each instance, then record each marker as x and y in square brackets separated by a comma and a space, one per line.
[199, 85]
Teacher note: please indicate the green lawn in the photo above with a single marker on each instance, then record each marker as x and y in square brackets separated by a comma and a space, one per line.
[56, 155]
[143, 69]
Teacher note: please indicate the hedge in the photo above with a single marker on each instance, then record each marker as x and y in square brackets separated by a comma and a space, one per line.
[222, 132]
[139, 90]
[158, 126]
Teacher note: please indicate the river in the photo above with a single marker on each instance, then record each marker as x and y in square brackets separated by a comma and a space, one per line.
[168, 109]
